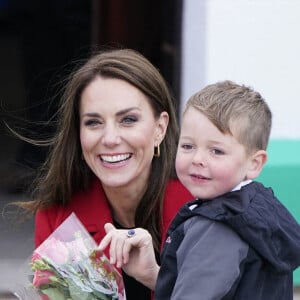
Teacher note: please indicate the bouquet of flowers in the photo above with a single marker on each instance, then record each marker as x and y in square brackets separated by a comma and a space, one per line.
[69, 266]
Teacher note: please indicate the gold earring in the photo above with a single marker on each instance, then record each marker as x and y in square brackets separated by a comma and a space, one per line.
[156, 151]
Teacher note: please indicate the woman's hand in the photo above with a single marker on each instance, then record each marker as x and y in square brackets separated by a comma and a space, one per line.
[133, 253]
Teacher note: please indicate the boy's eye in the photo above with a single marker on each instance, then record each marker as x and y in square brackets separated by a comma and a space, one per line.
[217, 152]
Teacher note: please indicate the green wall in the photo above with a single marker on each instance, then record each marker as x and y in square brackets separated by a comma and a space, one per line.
[282, 173]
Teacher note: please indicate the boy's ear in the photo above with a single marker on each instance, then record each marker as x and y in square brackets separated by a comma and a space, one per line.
[257, 161]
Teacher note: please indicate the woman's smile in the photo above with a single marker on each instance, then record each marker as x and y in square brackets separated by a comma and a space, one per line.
[115, 158]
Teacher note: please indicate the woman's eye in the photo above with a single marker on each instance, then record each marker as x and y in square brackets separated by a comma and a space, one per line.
[91, 122]
[186, 146]
[129, 119]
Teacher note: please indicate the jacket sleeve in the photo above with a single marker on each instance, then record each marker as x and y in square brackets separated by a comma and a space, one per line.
[209, 260]
[91, 208]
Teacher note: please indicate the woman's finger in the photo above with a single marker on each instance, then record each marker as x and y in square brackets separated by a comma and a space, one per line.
[108, 227]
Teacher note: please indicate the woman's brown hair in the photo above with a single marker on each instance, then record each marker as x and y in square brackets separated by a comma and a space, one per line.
[64, 171]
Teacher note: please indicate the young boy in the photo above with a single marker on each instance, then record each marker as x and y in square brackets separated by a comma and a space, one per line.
[236, 240]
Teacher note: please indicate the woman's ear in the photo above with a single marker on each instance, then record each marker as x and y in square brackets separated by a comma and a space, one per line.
[256, 163]
[162, 125]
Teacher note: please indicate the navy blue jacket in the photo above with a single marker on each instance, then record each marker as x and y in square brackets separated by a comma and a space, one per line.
[242, 245]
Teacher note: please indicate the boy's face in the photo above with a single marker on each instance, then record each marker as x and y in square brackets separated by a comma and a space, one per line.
[209, 163]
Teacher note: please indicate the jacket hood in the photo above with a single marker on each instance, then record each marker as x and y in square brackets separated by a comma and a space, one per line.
[260, 220]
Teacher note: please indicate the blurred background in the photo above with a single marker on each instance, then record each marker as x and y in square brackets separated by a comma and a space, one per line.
[192, 42]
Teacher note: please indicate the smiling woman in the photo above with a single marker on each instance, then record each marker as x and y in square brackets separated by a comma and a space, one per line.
[117, 140]
[112, 157]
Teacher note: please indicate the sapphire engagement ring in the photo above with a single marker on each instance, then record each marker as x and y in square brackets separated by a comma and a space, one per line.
[130, 233]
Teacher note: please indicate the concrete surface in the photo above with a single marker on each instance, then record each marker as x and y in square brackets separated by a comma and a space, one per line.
[16, 245]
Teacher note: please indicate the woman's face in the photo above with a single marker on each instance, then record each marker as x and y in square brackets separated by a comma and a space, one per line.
[118, 132]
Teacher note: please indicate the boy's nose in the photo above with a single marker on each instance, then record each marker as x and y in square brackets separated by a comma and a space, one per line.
[199, 159]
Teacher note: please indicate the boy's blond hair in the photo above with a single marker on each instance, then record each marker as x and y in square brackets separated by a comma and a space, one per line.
[237, 110]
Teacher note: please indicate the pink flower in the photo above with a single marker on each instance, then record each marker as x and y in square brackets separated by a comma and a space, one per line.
[42, 277]
[55, 250]
[77, 249]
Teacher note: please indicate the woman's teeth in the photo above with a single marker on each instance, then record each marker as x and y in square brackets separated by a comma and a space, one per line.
[114, 158]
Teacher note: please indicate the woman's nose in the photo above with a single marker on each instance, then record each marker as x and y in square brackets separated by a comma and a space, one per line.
[111, 135]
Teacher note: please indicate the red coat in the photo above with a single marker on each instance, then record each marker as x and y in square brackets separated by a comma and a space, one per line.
[93, 211]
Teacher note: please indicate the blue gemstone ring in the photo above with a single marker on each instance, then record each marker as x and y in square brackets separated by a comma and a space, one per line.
[130, 233]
